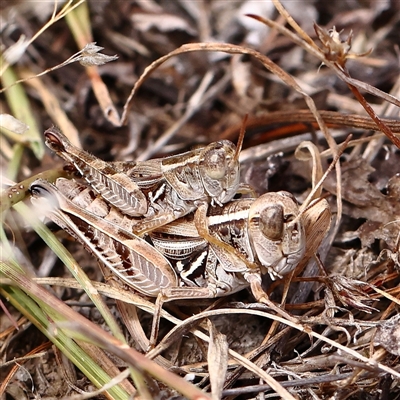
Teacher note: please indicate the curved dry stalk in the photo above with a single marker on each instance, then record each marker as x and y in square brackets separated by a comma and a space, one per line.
[67, 8]
[19, 191]
[301, 154]
[182, 326]
[232, 49]
[316, 188]
[317, 52]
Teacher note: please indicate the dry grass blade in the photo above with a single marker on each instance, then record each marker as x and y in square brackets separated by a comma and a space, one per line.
[379, 123]
[217, 360]
[300, 154]
[80, 328]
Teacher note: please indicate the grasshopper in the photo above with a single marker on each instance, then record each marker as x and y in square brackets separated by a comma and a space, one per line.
[92, 222]
[267, 232]
[264, 231]
[252, 237]
[159, 190]
[265, 235]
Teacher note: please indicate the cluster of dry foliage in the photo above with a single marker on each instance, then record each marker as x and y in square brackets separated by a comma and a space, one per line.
[213, 65]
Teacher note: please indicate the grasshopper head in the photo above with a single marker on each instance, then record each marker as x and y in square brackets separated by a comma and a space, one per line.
[277, 236]
[219, 169]
[55, 140]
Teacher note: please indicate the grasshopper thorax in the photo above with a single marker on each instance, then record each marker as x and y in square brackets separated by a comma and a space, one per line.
[220, 171]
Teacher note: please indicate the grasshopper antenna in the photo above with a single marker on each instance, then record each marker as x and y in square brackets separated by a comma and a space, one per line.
[241, 137]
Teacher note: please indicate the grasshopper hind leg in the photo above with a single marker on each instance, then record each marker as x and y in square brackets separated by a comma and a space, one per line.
[200, 220]
[175, 293]
[262, 297]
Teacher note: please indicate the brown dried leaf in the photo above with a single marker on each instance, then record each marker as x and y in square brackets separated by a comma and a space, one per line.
[381, 211]
[317, 221]
[388, 335]
[350, 292]
[372, 230]
[369, 201]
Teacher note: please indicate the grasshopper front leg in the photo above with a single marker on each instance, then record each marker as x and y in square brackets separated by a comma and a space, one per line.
[201, 223]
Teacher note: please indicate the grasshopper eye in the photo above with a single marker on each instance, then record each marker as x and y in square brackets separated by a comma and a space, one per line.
[43, 196]
[215, 163]
[38, 191]
[53, 141]
[272, 221]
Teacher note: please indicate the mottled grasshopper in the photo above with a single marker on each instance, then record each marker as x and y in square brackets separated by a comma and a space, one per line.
[266, 235]
[266, 232]
[159, 190]
[88, 219]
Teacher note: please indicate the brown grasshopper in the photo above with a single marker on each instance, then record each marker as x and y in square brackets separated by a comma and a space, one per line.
[159, 190]
[92, 222]
[265, 234]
